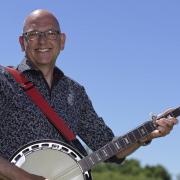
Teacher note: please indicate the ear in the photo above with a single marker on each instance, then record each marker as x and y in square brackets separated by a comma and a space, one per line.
[62, 40]
[21, 41]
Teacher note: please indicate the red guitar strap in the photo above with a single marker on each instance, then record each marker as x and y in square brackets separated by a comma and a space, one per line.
[38, 99]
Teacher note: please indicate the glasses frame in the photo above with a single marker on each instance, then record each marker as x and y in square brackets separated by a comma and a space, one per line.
[40, 34]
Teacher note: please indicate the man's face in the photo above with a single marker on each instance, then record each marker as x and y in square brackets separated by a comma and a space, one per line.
[42, 50]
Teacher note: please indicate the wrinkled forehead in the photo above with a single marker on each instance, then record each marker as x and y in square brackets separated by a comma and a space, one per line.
[41, 22]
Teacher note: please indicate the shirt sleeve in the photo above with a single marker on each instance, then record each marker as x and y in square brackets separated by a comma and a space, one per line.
[3, 92]
[92, 128]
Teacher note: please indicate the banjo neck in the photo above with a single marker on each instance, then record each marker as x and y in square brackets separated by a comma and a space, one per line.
[122, 142]
[66, 163]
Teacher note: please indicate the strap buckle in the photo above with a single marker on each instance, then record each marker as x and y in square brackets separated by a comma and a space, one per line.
[27, 85]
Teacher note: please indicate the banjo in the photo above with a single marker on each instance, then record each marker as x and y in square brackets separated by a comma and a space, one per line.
[56, 160]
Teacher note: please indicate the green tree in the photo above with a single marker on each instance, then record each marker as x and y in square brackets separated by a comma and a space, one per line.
[130, 167]
[157, 172]
[178, 177]
[130, 170]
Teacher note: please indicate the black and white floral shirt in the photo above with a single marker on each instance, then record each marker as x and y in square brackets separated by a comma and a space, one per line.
[22, 122]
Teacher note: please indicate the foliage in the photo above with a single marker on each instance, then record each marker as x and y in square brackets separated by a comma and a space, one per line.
[178, 177]
[130, 170]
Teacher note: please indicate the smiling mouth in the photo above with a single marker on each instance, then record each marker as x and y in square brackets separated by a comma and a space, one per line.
[43, 50]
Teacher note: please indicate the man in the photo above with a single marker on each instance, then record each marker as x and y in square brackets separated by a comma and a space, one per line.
[22, 122]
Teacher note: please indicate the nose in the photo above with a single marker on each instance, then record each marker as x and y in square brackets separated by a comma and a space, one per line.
[42, 37]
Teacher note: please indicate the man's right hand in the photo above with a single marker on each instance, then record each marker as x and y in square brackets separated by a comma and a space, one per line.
[9, 171]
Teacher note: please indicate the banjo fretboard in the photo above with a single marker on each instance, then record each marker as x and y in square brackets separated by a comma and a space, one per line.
[122, 142]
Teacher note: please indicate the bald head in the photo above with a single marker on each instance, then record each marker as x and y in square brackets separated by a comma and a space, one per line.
[42, 41]
[40, 17]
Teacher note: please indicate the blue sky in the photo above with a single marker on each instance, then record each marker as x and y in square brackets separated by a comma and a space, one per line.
[125, 53]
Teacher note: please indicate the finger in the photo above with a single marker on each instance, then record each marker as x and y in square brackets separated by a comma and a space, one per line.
[165, 125]
[167, 122]
[163, 131]
[159, 132]
[165, 113]
[155, 134]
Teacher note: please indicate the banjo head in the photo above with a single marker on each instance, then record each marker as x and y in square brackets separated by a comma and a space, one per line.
[51, 159]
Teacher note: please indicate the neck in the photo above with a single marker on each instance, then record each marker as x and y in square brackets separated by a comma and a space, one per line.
[49, 78]
[46, 69]
[48, 74]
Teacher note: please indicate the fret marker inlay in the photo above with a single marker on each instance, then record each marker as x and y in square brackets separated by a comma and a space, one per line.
[142, 131]
[126, 140]
[91, 160]
[105, 153]
[98, 157]
[117, 145]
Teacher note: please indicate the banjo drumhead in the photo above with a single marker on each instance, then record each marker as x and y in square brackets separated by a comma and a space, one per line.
[51, 159]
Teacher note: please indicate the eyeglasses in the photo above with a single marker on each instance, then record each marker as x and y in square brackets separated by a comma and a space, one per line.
[35, 35]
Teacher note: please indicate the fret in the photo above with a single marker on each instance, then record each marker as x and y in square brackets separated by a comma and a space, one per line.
[113, 147]
[137, 134]
[142, 131]
[109, 150]
[90, 158]
[88, 162]
[82, 163]
[103, 153]
[149, 126]
[97, 155]
[117, 145]
[153, 126]
[85, 164]
[132, 137]
[126, 140]
[122, 143]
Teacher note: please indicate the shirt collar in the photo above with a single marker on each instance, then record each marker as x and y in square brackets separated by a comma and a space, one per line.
[27, 65]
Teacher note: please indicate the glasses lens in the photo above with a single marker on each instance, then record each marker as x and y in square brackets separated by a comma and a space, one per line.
[51, 34]
[35, 35]
[32, 35]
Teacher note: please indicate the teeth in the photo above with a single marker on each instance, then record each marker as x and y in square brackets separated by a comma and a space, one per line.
[42, 50]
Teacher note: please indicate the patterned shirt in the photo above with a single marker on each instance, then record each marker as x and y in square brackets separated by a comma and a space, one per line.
[21, 122]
